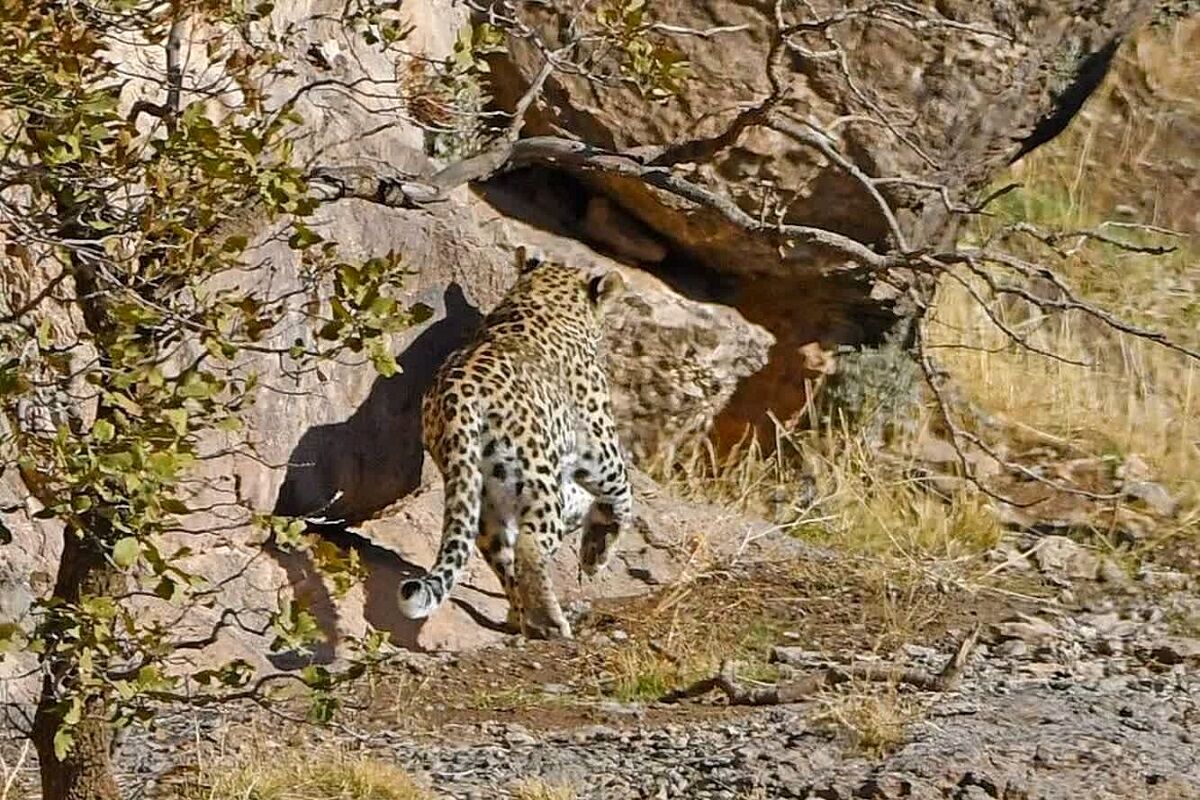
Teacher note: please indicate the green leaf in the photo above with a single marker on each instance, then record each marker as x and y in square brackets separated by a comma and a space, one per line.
[12, 637]
[63, 739]
[126, 551]
[173, 505]
[304, 238]
[383, 360]
[235, 244]
[45, 334]
[178, 419]
[74, 713]
[166, 588]
[420, 312]
[103, 431]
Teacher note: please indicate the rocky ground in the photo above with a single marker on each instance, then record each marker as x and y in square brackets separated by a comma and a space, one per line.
[1083, 690]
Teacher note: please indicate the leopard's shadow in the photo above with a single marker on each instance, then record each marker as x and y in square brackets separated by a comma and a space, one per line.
[373, 459]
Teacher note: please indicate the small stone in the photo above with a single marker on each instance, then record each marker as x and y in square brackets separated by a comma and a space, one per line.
[519, 736]
[620, 709]
[618, 635]
[1013, 648]
[1112, 573]
[1042, 669]
[1175, 650]
[1153, 495]
[919, 652]
[1135, 476]
[1166, 580]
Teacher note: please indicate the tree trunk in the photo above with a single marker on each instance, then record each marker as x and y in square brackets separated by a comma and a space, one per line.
[86, 772]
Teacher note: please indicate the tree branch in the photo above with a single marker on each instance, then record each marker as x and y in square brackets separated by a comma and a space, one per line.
[334, 183]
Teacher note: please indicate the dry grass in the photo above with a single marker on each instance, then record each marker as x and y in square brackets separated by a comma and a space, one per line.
[830, 486]
[297, 773]
[680, 639]
[1129, 157]
[537, 789]
[872, 721]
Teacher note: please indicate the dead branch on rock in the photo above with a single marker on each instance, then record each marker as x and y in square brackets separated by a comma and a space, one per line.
[829, 675]
[566, 153]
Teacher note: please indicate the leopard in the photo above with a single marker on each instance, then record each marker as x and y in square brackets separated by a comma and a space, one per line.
[519, 422]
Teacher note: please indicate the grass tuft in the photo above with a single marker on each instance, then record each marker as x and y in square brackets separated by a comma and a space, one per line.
[537, 789]
[872, 722]
[301, 774]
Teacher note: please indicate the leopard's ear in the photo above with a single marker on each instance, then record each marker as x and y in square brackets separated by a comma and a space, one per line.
[604, 289]
[528, 260]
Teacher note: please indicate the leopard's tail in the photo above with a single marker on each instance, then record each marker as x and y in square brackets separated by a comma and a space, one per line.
[462, 476]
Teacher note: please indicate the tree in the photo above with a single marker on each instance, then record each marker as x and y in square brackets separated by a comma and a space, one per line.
[138, 225]
[139, 217]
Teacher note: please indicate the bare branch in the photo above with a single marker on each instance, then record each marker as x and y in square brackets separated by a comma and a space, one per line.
[168, 111]
[935, 379]
[706, 33]
[1068, 301]
[1053, 238]
[831, 675]
[823, 143]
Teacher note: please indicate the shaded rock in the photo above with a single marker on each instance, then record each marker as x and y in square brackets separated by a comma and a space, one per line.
[1060, 558]
[1175, 650]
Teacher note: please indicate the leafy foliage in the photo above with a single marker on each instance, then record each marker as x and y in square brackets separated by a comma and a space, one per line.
[140, 222]
[656, 70]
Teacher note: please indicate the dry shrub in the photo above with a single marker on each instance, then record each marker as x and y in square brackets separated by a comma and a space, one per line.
[872, 721]
[537, 789]
[297, 773]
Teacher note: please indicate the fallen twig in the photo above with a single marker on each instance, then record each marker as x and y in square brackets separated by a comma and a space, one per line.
[830, 675]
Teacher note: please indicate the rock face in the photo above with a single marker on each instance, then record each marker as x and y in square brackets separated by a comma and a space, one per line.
[936, 94]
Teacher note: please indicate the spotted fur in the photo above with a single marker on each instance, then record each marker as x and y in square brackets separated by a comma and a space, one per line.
[519, 422]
